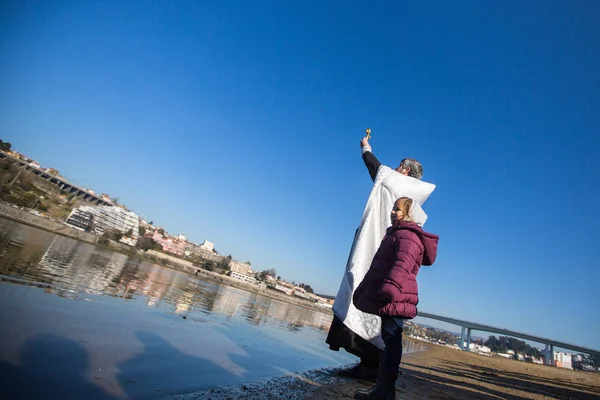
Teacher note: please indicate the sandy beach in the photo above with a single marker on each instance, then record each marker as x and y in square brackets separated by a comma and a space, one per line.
[438, 373]
[442, 373]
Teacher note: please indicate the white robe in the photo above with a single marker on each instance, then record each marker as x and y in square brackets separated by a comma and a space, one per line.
[388, 187]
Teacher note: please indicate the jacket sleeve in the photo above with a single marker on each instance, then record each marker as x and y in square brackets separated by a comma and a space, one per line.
[372, 163]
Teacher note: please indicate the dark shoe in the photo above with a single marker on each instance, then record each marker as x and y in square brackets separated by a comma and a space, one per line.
[384, 389]
[359, 371]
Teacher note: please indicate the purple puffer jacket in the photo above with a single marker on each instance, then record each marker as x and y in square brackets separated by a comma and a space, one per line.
[390, 286]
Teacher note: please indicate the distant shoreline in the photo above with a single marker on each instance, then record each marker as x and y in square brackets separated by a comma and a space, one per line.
[22, 217]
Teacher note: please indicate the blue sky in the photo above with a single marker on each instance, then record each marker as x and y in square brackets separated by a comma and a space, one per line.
[239, 122]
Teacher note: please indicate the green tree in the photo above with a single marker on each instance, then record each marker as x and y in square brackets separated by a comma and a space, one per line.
[5, 146]
[146, 243]
[113, 235]
[272, 272]
[142, 231]
[261, 276]
[209, 265]
[308, 289]
[224, 263]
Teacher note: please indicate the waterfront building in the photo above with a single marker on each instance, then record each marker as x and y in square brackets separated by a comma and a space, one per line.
[172, 245]
[116, 218]
[242, 277]
[193, 250]
[240, 267]
[81, 218]
[563, 360]
[208, 246]
[104, 218]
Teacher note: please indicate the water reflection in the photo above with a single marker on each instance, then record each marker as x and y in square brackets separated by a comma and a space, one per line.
[73, 270]
[128, 339]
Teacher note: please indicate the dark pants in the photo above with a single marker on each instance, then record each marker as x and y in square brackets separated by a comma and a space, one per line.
[391, 333]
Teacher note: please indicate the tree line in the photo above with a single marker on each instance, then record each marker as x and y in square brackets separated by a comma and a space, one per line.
[505, 343]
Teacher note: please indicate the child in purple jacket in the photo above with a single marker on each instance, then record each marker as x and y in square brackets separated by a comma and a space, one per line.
[389, 289]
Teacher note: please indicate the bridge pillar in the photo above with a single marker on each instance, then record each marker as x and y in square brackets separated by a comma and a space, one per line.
[468, 340]
[552, 354]
[462, 339]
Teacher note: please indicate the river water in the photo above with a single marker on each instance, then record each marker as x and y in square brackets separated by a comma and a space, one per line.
[78, 321]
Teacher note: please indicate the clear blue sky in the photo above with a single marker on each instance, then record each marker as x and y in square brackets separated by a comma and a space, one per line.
[239, 122]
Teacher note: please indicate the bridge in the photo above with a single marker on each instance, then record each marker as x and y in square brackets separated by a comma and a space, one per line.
[62, 183]
[470, 326]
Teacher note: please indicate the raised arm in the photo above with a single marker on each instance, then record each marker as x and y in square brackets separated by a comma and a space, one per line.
[370, 160]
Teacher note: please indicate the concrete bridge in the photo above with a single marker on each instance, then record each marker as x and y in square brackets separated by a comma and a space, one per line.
[468, 327]
[59, 181]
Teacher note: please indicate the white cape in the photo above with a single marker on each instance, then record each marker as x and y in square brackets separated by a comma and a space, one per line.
[388, 187]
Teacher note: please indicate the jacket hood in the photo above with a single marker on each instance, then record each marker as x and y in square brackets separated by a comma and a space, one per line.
[429, 240]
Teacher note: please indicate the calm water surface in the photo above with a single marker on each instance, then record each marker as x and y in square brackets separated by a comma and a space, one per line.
[77, 321]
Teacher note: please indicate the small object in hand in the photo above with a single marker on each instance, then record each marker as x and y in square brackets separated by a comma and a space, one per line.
[368, 131]
[184, 317]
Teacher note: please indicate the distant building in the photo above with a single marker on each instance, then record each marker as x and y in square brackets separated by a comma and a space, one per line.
[285, 289]
[52, 171]
[81, 218]
[172, 245]
[105, 218]
[475, 348]
[239, 267]
[193, 250]
[169, 244]
[208, 246]
[242, 277]
[128, 241]
[563, 360]
[116, 218]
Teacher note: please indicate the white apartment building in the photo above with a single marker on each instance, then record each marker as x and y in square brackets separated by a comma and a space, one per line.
[208, 246]
[81, 218]
[563, 360]
[117, 218]
[242, 277]
[113, 218]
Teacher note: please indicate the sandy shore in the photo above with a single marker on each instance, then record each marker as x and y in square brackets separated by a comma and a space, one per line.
[442, 373]
[438, 373]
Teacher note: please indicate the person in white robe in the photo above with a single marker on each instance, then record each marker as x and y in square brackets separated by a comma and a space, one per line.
[359, 333]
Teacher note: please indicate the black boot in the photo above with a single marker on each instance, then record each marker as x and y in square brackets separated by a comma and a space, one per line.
[360, 371]
[384, 389]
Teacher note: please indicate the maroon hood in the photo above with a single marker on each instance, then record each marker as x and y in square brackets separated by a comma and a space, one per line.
[429, 240]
